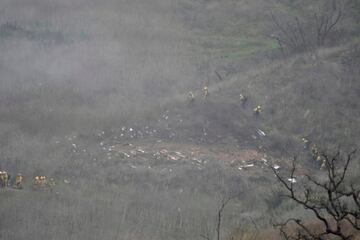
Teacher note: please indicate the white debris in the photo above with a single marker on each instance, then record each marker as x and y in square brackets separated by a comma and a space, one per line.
[174, 158]
[248, 165]
[163, 151]
[276, 167]
[73, 145]
[292, 180]
[66, 181]
[130, 129]
[133, 166]
[180, 154]
[261, 133]
[123, 128]
[196, 160]
[265, 161]
[127, 155]
[140, 150]
[101, 143]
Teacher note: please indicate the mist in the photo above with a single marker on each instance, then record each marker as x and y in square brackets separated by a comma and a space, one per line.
[164, 119]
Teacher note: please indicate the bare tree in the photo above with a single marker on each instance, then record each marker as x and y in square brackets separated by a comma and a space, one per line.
[223, 204]
[290, 35]
[334, 202]
[219, 214]
[299, 33]
[325, 21]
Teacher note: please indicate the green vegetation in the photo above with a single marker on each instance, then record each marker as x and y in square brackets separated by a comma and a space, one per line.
[66, 111]
[36, 33]
[235, 47]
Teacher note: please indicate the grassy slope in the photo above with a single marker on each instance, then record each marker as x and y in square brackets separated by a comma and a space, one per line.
[109, 199]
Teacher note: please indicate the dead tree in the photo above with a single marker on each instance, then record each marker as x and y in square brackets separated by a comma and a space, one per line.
[299, 33]
[219, 214]
[223, 204]
[290, 35]
[334, 202]
[325, 22]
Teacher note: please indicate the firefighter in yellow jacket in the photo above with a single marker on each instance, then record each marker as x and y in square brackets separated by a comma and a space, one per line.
[4, 179]
[257, 110]
[243, 100]
[40, 181]
[19, 179]
[205, 92]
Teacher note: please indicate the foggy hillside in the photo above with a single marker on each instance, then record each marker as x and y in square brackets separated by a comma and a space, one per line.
[106, 99]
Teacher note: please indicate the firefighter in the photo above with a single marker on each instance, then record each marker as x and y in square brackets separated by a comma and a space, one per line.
[40, 181]
[306, 142]
[323, 165]
[37, 181]
[191, 97]
[314, 151]
[43, 181]
[243, 100]
[51, 184]
[19, 181]
[205, 92]
[257, 111]
[316, 154]
[321, 161]
[4, 179]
